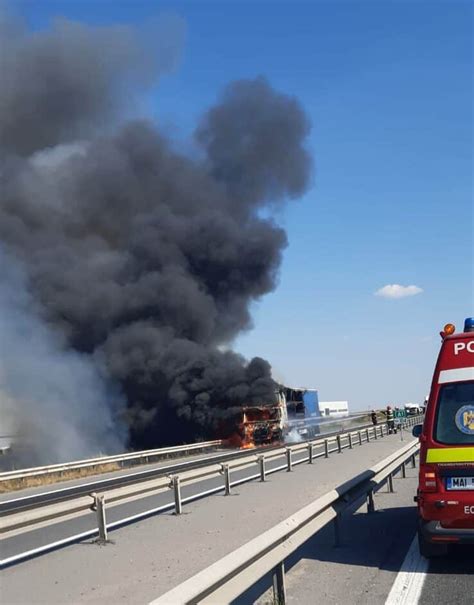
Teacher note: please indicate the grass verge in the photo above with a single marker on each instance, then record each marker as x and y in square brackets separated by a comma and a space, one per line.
[11, 485]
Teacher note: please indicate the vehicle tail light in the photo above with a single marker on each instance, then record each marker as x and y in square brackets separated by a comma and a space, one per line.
[428, 479]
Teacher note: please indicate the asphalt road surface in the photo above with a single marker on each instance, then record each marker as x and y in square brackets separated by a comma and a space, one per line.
[148, 558]
[378, 561]
[18, 541]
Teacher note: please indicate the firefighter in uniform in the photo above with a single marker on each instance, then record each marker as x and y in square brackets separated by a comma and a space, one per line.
[390, 420]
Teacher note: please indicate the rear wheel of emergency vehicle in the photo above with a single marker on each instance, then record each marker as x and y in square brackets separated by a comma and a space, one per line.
[428, 549]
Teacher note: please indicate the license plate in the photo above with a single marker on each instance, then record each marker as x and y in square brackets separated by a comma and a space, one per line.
[460, 483]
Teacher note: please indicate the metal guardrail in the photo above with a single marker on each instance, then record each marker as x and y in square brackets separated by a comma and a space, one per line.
[58, 494]
[144, 456]
[101, 485]
[35, 507]
[235, 573]
[45, 513]
[141, 457]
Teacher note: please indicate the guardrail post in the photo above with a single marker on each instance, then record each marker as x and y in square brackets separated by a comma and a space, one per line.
[261, 463]
[99, 507]
[381, 430]
[289, 461]
[404, 471]
[226, 471]
[390, 484]
[367, 433]
[178, 505]
[337, 530]
[279, 588]
[375, 432]
[339, 444]
[310, 453]
[350, 441]
[326, 448]
[360, 437]
[413, 461]
[370, 502]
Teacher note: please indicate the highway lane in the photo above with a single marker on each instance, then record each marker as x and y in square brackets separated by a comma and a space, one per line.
[362, 570]
[450, 580]
[22, 540]
[149, 557]
[60, 492]
[366, 567]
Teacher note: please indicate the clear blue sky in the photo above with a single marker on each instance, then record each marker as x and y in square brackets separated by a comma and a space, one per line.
[388, 86]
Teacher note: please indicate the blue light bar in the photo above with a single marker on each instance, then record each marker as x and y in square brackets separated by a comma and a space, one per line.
[469, 324]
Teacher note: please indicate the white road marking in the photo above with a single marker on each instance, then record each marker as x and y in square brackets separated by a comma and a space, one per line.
[406, 589]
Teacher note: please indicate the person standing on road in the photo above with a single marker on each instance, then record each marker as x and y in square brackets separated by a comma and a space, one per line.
[390, 420]
[373, 417]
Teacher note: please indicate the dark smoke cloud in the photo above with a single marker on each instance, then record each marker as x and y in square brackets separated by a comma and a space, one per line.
[69, 81]
[145, 259]
[247, 138]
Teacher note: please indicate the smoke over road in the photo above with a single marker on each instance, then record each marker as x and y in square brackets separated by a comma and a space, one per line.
[144, 260]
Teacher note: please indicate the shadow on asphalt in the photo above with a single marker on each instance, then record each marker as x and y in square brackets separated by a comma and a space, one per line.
[459, 561]
[379, 540]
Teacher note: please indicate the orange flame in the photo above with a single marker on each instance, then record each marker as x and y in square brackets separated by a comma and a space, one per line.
[248, 445]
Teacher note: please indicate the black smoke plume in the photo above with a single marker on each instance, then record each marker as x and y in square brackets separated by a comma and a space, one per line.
[145, 260]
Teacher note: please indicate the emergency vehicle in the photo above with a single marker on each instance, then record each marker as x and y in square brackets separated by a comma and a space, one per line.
[445, 496]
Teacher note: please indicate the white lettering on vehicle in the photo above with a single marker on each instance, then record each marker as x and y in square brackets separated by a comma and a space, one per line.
[461, 346]
[469, 510]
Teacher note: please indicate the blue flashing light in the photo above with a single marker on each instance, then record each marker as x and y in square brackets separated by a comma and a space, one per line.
[469, 324]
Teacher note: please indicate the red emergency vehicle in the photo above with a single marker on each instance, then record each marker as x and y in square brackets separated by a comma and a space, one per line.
[446, 484]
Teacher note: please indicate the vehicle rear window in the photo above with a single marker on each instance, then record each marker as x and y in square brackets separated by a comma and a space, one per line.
[454, 423]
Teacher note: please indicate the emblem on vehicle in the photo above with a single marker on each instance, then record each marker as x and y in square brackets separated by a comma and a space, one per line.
[465, 419]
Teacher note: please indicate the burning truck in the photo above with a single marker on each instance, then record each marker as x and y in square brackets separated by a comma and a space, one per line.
[263, 424]
[293, 414]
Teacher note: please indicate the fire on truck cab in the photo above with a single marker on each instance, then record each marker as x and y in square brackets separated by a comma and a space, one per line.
[445, 496]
